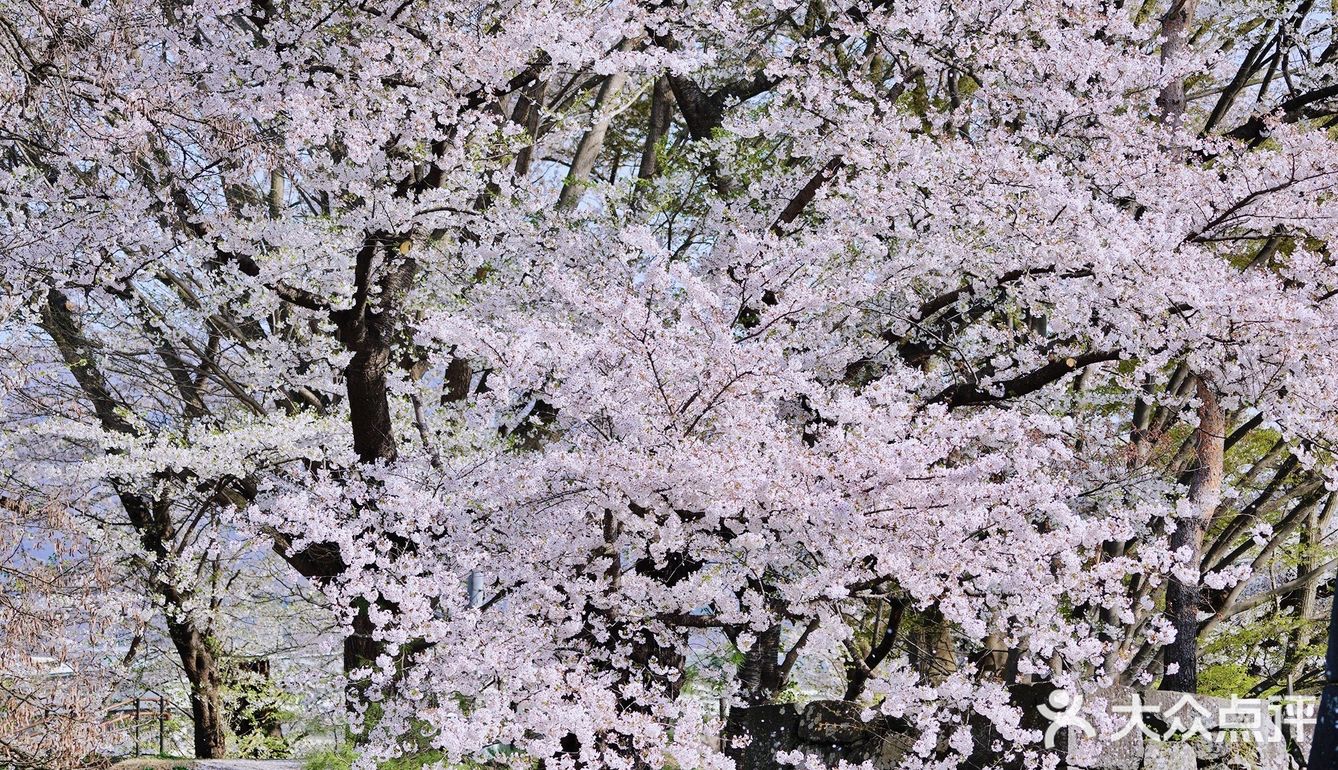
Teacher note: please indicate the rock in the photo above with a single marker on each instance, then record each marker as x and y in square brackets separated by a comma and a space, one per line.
[753, 734]
[832, 721]
[836, 730]
[1095, 753]
[831, 729]
[1169, 756]
[1227, 755]
[893, 748]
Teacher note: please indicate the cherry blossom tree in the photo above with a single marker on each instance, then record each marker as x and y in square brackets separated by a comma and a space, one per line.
[82, 407]
[910, 350]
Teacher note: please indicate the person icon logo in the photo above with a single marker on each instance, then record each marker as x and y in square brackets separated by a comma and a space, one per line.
[1063, 712]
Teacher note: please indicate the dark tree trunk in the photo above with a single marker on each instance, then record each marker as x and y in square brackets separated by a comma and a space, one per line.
[661, 107]
[861, 667]
[766, 726]
[369, 404]
[206, 695]
[1184, 599]
[360, 646]
[759, 673]
[365, 332]
[374, 442]
[1324, 746]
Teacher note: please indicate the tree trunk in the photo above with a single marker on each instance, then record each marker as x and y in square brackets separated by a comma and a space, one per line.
[1184, 599]
[1303, 600]
[660, 107]
[206, 696]
[1175, 34]
[366, 333]
[1324, 745]
[758, 720]
[933, 653]
[361, 647]
[593, 140]
[758, 674]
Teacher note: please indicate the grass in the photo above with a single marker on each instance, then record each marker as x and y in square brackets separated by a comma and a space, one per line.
[342, 759]
[150, 763]
[329, 759]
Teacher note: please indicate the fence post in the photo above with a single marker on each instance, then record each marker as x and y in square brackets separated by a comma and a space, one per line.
[137, 748]
[162, 717]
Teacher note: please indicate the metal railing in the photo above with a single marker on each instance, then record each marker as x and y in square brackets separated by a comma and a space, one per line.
[142, 712]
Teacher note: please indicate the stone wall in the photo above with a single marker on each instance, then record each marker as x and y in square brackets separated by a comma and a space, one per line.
[828, 728]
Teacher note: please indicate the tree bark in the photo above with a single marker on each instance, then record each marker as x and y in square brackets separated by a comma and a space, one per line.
[1184, 598]
[861, 665]
[758, 680]
[206, 694]
[1175, 36]
[1324, 744]
[660, 106]
[1304, 598]
[593, 139]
